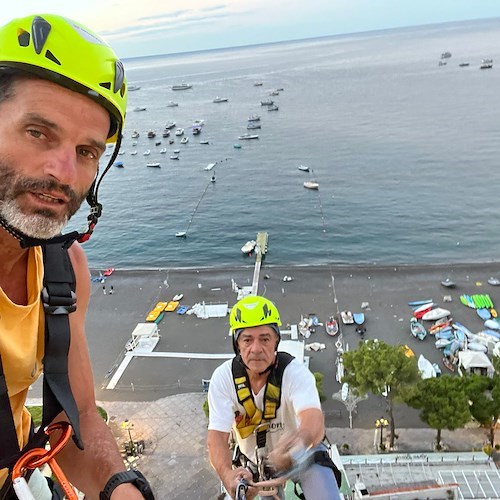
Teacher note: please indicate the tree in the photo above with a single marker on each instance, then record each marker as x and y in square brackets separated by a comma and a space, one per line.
[484, 393]
[381, 369]
[443, 402]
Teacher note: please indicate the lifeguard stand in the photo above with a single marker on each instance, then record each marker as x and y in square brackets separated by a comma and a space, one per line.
[144, 338]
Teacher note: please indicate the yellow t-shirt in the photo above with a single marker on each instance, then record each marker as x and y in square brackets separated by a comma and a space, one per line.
[22, 345]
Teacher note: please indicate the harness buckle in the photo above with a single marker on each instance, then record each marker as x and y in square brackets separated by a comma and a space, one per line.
[58, 304]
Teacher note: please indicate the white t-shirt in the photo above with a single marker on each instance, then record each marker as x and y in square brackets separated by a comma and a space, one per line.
[298, 393]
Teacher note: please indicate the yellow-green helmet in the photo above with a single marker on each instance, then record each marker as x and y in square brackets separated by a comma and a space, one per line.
[67, 53]
[253, 310]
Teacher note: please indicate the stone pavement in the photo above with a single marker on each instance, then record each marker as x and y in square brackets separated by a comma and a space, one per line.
[175, 458]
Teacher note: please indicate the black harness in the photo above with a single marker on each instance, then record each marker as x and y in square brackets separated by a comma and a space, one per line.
[59, 299]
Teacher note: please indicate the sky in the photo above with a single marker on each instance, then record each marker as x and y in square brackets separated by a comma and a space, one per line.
[148, 27]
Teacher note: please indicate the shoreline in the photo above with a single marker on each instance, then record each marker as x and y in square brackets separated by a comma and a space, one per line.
[387, 290]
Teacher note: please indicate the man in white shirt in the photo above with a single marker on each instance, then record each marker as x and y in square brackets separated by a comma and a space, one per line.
[270, 402]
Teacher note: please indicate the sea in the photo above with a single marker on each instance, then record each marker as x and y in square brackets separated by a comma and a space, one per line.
[405, 151]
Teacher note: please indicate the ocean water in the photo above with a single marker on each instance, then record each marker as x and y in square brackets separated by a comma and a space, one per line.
[406, 153]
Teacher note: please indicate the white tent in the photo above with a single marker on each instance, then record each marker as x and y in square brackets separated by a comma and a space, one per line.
[475, 362]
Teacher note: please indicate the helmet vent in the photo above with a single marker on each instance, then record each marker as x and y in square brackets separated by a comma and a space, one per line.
[119, 76]
[52, 57]
[40, 30]
[106, 85]
[23, 38]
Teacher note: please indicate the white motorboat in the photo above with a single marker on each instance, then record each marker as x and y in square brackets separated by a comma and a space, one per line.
[174, 157]
[253, 126]
[493, 281]
[182, 86]
[274, 107]
[210, 166]
[303, 168]
[198, 123]
[131, 87]
[153, 165]
[196, 130]
[486, 64]
[246, 137]
[221, 99]
[163, 151]
[177, 151]
[258, 84]
[311, 185]
[204, 142]
[180, 234]
[254, 118]
[134, 152]
[267, 102]
[135, 134]
[347, 317]
[248, 246]
[435, 314]
[169, 125]
[172, 104]
[179, 131]
[184, 140]
[147, 152]
[151, 134]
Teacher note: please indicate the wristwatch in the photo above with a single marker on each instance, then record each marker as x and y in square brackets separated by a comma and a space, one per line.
[129, 476]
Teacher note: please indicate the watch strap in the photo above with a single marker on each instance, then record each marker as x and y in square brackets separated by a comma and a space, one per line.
[130, 476]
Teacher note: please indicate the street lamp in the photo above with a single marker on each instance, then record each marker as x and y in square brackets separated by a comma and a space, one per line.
[381, 423]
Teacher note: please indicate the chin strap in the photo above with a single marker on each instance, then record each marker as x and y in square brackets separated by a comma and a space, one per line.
[93, 218]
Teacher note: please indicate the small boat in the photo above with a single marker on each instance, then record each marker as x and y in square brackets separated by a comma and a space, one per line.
[198, 123]
[157, 143]
[274, 107]
[492, 324]
[248, 247]
[311, 185]
[204, 142]
[121, 152]
[151, 134]
[359, 318]
[171, 305]
[147, 152]
[446, 55]
[303, 168]
[426, 368]
[131, 87]
[464, 64]
[179, 131]
[153, 165]
[418, 303]
[476, 346]
[177, 151]
[212, 179]
[174, 157]
[163, 151]
[274, 93]
[267, 102]
[135, 134]
[108, 272]
[486, 64]
[184, 140]
[417, 329]
[134, 152]
[172, 104]
[140, 108]
[253, 126]
[182, 310]
[182, 86]
[180, 234]
[178, 296]
[441, 343]
[483, 313]
[156, 311]
[210, 166]
[220, 99]
[171, 141]
[237, 146]
[347, 318]
[196, 130]
[258, 84]
[118, 164]
[332, 326]
[448, 283]
[169, 125]
[254, 118]
[493, 281]
[435, 314]
[246, 137]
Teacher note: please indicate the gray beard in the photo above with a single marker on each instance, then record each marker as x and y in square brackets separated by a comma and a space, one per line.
[41, 224]
[34, 225]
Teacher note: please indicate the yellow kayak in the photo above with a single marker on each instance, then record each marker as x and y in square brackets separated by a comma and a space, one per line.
[156, 311]
[172, 305]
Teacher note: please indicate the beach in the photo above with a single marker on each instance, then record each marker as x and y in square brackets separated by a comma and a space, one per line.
[387, 290]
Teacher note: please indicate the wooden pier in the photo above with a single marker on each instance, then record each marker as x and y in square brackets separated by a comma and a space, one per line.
[260, 253]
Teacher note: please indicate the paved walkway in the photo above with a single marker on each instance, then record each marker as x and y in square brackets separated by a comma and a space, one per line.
[175, 458]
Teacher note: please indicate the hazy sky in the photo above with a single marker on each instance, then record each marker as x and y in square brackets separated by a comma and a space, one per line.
[146, 27]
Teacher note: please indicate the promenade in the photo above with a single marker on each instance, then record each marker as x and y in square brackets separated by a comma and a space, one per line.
[175, 459]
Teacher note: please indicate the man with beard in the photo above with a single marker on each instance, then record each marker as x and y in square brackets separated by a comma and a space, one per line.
[62, 99]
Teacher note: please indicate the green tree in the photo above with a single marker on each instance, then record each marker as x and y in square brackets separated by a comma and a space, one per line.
[484, 393]
[443, 403]
[381, 369]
